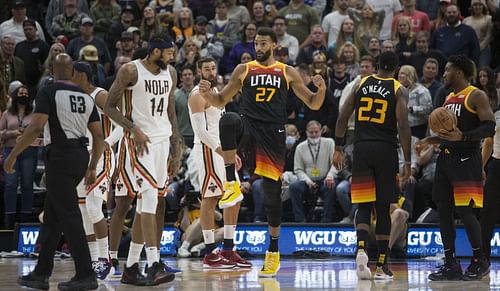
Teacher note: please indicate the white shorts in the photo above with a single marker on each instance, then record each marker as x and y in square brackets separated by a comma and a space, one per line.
[126, 181]
[211, 170]
[104, 169]
[151, 169]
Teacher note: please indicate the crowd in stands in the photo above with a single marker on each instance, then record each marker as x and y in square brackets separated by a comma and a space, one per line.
[338, 39]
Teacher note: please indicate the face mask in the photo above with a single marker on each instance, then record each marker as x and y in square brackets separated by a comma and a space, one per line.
[313, 140]
[23, 100]
[290, 140]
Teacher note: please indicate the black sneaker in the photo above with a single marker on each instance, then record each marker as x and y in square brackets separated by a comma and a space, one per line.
[34, 281]
[156, 274]
[450, 271]
[383, 273]
[133, 276]
[89, 283]
[478, 268]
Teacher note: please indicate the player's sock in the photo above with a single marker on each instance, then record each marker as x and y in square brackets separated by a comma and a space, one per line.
[209, 239]
[382, 252]
[362, 237]
[152, 255]
[477, 253]
[94, 251]
[449, 255]
[113, 254]
[134, 253]
[230, 170]
[273, 244]
[102, 244]
[186, 245]
[229, 237]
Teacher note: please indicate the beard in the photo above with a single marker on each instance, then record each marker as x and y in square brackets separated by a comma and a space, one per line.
[263, 57]
[213, 81]
[161, 64]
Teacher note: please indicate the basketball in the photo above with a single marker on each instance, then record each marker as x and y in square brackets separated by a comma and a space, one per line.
[442, 118]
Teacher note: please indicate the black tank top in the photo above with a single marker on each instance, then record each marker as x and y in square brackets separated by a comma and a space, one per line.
[264, 92]
[375, 110]
[466, 116]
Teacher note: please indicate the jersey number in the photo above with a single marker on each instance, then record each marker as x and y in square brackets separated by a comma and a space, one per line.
[380, 109]
[264, 94]
[77, 104]
[156, 107]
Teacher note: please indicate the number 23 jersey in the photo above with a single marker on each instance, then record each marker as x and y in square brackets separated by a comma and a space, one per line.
[375, 110]
[146, 103]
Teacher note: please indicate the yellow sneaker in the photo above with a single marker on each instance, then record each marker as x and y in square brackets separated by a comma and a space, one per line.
[232, 195]
[271, 265]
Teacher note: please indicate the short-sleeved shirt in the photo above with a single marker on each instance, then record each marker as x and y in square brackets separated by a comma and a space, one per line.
[70, 110]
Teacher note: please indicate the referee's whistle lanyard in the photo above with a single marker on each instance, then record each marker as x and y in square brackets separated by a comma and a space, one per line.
[314, 157]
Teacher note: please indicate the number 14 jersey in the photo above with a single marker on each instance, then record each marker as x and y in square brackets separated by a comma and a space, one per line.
[146, 103]
[375, 110]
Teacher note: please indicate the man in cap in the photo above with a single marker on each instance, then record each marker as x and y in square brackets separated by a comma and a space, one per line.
[14, 26]
[119, 26]
[68, 22]
[205, 40]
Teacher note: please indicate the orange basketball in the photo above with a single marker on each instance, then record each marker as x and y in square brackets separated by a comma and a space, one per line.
[442, 118]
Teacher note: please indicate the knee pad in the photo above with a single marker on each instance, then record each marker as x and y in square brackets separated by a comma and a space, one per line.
[88, 226]
[94, 208]
[229, 128]
[272, 201]
[149, 201]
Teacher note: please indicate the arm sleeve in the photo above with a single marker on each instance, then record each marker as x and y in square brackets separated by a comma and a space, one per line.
[114, 136]
[199, 124]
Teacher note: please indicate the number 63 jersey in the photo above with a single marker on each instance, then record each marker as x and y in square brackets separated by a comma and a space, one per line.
[146, 103]
[375, 110]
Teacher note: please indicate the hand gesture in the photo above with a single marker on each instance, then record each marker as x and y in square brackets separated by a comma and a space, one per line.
[140, 141]
[319, 82]
[204, 87]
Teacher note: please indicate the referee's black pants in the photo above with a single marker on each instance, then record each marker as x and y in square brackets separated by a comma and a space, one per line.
[65, 167]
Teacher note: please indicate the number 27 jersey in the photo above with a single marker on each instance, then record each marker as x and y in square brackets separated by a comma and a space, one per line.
[146, 103]
[375, 110]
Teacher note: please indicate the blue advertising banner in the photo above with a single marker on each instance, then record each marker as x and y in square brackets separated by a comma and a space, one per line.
[337, 240]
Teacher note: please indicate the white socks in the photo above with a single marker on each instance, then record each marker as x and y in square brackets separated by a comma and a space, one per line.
[134, 253]
[229, 231]
[102, 245]
[94, 250]
[209, 236]
[152, 255]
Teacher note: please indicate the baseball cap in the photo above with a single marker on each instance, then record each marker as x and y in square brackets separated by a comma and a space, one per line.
[281, 50]
[83, 67]
[86, 20]
[201, 20]
[127, 35]
[445, 1]
[13, 86]
[18, 4]
[89, 53]
[127, 8]
[133, 29]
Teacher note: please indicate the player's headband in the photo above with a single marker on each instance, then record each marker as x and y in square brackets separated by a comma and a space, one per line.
[160, 45]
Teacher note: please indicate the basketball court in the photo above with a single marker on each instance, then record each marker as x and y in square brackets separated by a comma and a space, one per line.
[295, 274]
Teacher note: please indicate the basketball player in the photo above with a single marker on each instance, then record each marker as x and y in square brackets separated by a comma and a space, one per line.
[458, 181]
[91, 198]
[380, 104]
[146, 87]
[260, 126]
[208, 154]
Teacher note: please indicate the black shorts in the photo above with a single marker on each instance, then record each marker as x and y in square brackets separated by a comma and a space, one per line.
[374, 169]
[459, 178]
[267, 142]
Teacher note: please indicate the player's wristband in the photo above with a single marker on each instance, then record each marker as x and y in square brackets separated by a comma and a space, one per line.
[339, 141]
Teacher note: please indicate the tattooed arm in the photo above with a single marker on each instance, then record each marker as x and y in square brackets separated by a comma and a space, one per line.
[175, 141]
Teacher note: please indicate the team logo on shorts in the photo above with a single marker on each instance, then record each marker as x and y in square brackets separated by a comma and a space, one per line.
[119, 186]
[139, 181]
[212, 187]
[103, 188]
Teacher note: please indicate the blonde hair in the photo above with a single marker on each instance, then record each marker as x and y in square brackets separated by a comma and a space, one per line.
[342, 37]
[355, 49]
[50, 59]
[396, 36]
[411, 74]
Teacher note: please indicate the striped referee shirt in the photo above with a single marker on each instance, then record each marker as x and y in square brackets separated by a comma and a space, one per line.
[70, 110]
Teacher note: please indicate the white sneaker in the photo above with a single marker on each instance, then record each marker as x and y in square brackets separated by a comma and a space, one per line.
[346, 220]
[362, 270]
[197, 249]
[183, 253]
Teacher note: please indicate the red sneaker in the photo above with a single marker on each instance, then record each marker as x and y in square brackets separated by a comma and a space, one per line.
[235, 258]
[216, 261]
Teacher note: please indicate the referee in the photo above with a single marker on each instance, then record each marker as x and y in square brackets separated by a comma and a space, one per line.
[69, 112]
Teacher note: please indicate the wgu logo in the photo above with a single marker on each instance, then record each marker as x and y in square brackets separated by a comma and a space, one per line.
[167, 237]
[347, 238]
[424, 238]
[29, 237]
[256, 237]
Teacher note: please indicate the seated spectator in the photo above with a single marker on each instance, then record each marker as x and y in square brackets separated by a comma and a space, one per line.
[300, 18]
[368, 23]
[117, 27]
[486, 82]
[14, 26]
[316, 45]
[150, 25]
[348, 33]
[188, 55]
[350, 53]
[419, 21]
[332, 22]
[238, 13]
[441, 15]
[373, 48]
[166, 10]
[47, 76]
[11, 67]
[419, 102]
[126, 46]
[430, 75]
[183, 26]
[426, 160]
[90, 54]
[422, 53]
[403, 37]
[315, 173]
[387, 45]
[284, 39]
[208, 44]
[56, 7]
[259, 15]
[246, 44]
[281, 55]
[68, 22]
[104, 13]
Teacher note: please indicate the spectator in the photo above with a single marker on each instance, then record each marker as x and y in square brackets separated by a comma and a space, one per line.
[332, 22]
[166, 10]
[47, 76]
[419, 21]
[337, 82]
[429, 7]
[440, 20]
[183, 26]
[387, 45]
[87, 38]
[90, 54]
[188, 55]
[68, 22]
[368, 23]
[11, 67]
[480, 21]
[150, 25]
[390, 7]
[119, 26]
[246, 57]
[259, 15]
[422, 53]
[419, 101]
[12, 125]
[281, 55]
[284, 39]
[237, 13]
[138, 7]
[373, 48]
[404, 38]
[486, 82]
[138, 42]
[14, 26]
[187, 77]
[126, 45]
[118, 63]
[315, 173]
[350, 53]
[430, 76]
[299, 19]
[33, 51]
[225, 30]
[456, 38]
[246, 44]
[348, 33]
[316, 45]
[104, 13]
[57, 7]
[206, 41]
